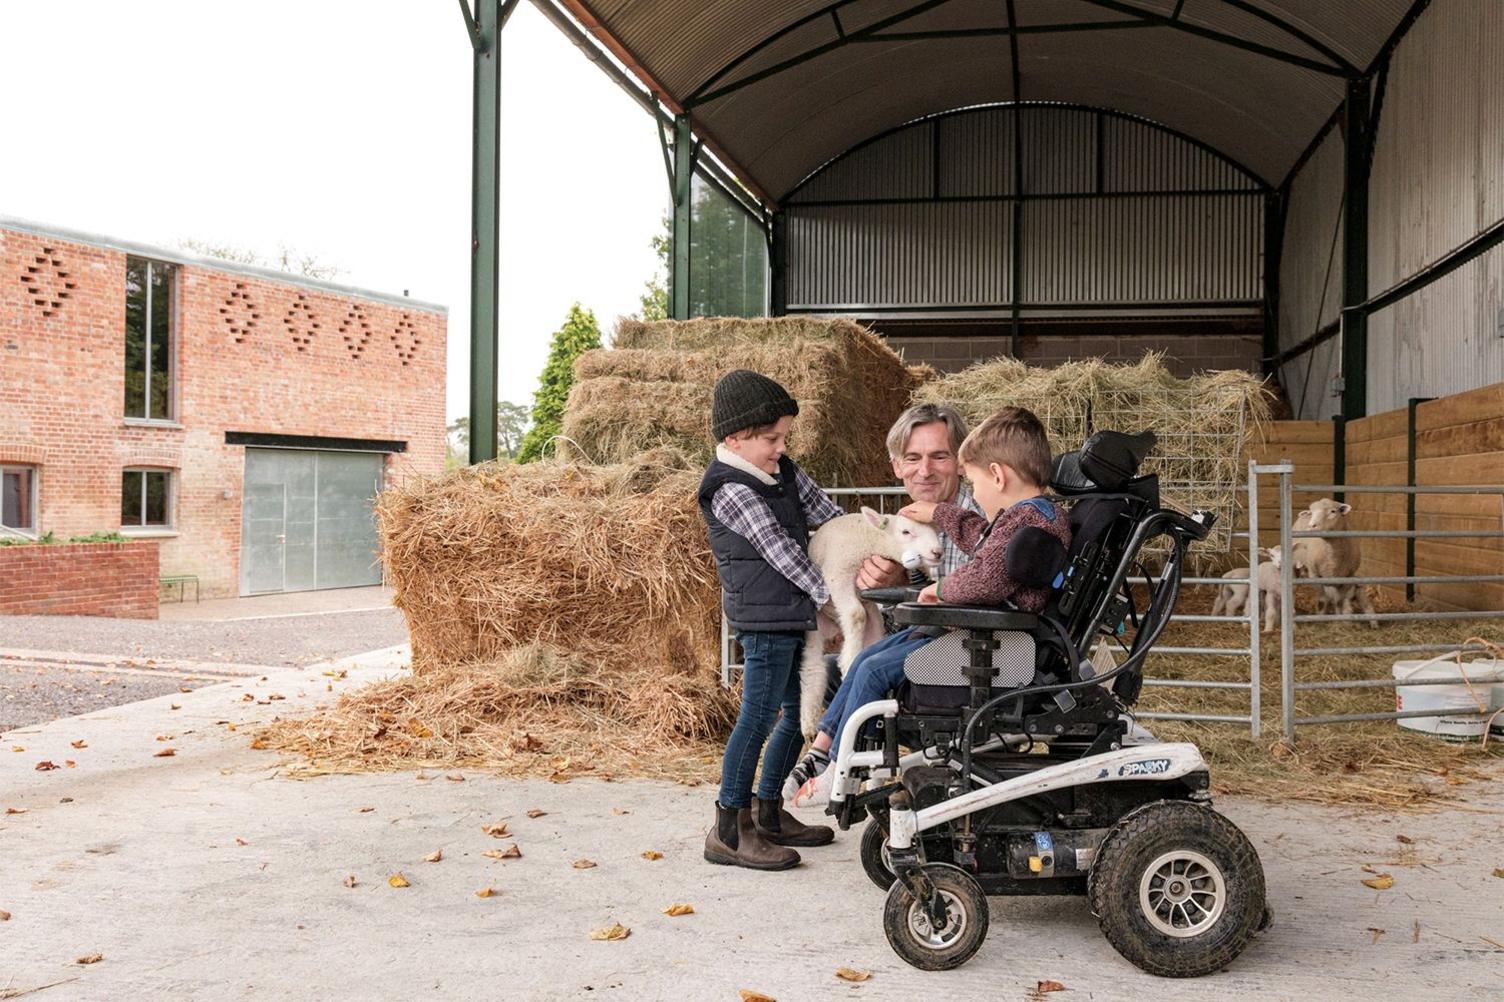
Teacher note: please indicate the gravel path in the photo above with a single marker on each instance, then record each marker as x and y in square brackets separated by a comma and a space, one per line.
[41, 689]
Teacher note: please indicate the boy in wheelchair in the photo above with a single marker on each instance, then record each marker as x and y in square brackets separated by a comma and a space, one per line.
[1007, 460]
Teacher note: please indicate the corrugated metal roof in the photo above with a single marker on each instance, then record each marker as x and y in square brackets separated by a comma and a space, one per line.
[1255, 106]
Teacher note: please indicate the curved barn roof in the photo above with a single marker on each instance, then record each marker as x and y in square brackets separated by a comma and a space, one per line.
[779, 87]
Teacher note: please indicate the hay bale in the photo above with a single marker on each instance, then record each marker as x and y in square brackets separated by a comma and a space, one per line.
[654, 389]
[1202, 423]
[578, 604]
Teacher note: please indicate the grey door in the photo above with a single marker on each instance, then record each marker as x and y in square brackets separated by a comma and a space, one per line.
[307, 520]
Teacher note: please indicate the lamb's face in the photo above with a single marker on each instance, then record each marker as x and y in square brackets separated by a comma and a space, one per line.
[921, 543]
[1326, 515]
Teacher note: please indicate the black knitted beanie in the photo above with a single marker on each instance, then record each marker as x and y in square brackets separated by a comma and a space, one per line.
[747, 399]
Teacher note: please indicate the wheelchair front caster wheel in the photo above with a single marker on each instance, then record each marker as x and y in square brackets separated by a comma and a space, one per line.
[875, 855]
[916, 938]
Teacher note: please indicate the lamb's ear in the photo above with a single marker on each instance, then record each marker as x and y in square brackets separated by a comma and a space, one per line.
[1344, 508]
[1264, 552]
[874, 518]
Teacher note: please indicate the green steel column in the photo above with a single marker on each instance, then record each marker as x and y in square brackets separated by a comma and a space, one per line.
[485, 37]
[1356, 146]
[1274, 240]
[678, 281]
[778, 265]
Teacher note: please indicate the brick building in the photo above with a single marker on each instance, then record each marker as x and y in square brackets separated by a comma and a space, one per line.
[243, 417]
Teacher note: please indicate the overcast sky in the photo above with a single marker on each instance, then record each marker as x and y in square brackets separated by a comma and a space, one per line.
[343, 130]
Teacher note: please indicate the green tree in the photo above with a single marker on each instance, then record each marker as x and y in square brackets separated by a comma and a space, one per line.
[511, 424]
[655, 290]
[579, 334]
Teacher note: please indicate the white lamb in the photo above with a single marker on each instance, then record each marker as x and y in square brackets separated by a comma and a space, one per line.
[1232, 598]
[1333, 557]
[838, 548]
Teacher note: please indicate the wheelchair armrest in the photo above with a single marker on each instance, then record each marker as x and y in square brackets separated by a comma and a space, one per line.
[891, 595]
[964, 617]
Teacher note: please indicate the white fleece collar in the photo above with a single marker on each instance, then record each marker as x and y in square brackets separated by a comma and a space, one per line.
[734, 461]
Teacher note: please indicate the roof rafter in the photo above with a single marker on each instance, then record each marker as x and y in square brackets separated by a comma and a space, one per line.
[1224, 38]
[1294, 32]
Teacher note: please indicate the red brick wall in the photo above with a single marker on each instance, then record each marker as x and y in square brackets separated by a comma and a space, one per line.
[80, 579]
[251, 355]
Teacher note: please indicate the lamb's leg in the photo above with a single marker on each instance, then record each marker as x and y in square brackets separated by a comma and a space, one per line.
[853, 632]
[1271, 611]
[812, 676]
[1366, 604]
[1220, 605]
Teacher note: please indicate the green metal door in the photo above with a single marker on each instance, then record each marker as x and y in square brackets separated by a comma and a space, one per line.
[307, 520]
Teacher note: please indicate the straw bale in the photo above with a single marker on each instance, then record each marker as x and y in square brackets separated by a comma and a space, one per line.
[1202, 423]
[654, 388]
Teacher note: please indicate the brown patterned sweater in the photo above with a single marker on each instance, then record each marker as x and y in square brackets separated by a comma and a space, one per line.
[984, 580]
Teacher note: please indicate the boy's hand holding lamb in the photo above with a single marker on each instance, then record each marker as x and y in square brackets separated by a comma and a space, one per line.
[930, 595]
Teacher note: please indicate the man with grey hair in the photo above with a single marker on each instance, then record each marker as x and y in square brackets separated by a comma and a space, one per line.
[922, 445]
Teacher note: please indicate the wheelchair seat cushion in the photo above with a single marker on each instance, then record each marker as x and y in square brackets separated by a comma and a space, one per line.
[943, 661]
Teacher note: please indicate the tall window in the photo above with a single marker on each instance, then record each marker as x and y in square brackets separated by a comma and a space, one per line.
[18, 498]
[148, 339]
[145, 499]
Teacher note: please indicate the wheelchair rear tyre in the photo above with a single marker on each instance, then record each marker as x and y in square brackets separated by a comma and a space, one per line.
[875, 855]
[913, 936]
[1177, 889]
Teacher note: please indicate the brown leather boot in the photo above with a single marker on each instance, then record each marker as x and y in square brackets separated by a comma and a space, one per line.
[734, 841]
[781, 828]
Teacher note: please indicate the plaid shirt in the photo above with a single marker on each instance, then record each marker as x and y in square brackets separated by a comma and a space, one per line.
[739, 509]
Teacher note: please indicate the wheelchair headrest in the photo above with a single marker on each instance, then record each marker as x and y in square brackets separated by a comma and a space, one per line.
[1035, 558]
[1107, 461]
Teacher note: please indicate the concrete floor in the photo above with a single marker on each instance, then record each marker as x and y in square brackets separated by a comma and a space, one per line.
[218, 873]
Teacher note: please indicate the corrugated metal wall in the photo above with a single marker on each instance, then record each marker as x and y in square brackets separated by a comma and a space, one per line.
[1437, 181]
[1079, 249]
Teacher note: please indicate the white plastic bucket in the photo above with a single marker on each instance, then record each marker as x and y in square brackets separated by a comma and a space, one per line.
[1456, 705]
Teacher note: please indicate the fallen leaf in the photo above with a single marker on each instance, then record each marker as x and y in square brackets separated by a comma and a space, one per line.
[455, 777]
[652, 854]
[4, 915]
[45, 766]
[92, 958]
[610, 932]
[620, 810]
[1376, 933]
[69, 762]
[165, 753]
[1380, 883]
[229, 726]
[1499, 871]
[258, 743]
[79, 744]
[584, 864]
[434, 856]
[675, 910]
[15, 810]
[422, 777]
[1404, 840]
[498, 830]
[17, 748]
[559, 762]
[748, 995]
[241, 841]
[366, 810]
[510, 852]
[1048, 986]
[535, 813]
[486, 892]
[397, 880]
[350, 880]
[173, 706]
[248, 698]
[558, 777]
[852, 974]
[526, 742]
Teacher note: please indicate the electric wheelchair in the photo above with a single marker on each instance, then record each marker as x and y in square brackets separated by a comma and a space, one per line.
[1005, 765]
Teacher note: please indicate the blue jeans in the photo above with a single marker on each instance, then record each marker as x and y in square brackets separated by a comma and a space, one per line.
[770, 683]
[877, 671]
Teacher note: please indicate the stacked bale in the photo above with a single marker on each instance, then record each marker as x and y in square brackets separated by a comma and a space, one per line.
[1202, 423]
[653, 388]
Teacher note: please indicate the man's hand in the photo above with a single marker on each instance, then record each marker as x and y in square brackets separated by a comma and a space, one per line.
[930, 595]
[880, 572]
[919, 511]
